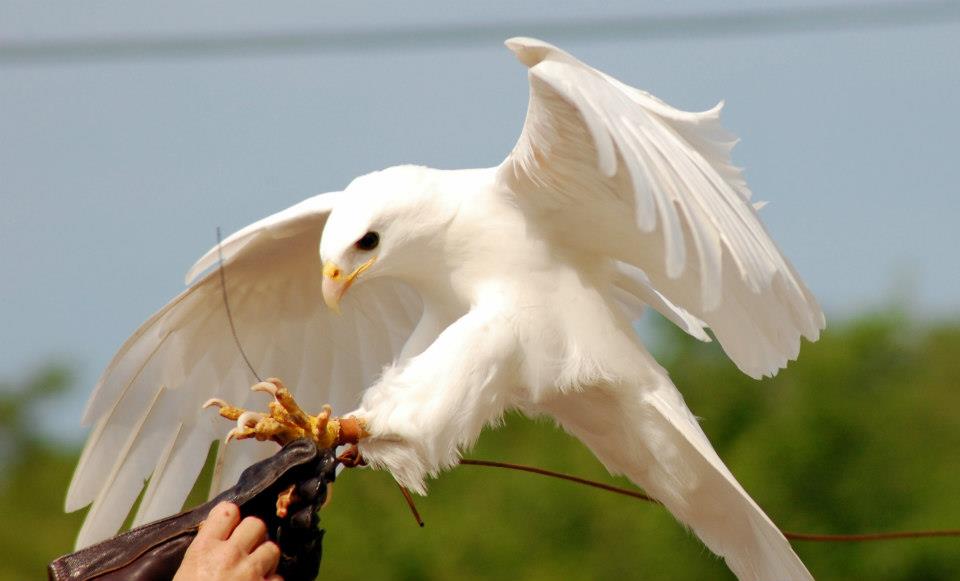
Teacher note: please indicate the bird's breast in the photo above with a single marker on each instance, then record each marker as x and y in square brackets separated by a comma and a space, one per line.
[570, 334]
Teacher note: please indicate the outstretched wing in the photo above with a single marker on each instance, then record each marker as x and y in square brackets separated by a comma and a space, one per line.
[612, 170]
[146, 408]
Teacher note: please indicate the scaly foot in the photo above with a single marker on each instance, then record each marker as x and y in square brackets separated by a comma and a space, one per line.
[286, 422]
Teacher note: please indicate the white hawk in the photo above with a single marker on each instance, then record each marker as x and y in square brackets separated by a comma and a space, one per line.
[474, 292]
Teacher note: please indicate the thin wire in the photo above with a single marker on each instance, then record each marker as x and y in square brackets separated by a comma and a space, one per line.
[800, 537]
[721, 24]
[222, 269]
[561, 476]
[891, 536]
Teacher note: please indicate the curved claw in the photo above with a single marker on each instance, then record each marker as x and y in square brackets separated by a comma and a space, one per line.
[285, 499]
[215, 401]
[226, 410]
[249, 419]
[238, 433]
[266, 387]
[351, 457]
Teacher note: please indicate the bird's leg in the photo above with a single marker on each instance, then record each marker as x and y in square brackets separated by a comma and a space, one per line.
[286, 421]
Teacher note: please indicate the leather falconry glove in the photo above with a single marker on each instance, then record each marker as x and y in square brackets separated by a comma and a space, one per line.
[285, 491]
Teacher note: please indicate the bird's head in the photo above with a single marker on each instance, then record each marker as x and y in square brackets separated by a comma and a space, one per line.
[384, 224]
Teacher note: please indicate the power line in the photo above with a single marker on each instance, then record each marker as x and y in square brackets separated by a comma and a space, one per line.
[734, 23]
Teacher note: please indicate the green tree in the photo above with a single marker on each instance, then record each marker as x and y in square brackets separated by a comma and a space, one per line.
[34, 476]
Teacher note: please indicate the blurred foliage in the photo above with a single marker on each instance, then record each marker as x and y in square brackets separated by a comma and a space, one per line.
[33, 478]
[861, 434]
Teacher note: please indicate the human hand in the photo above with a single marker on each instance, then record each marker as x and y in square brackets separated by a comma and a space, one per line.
[226, 549]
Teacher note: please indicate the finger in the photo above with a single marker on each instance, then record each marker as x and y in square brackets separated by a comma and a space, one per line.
[250, 533]
[220, 522]
[265, 558]
[274, 578]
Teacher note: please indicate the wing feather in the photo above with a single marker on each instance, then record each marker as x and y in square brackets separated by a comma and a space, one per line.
[614, 171]
[148, 424]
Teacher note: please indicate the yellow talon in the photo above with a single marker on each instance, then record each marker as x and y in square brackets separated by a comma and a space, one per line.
[286, 421]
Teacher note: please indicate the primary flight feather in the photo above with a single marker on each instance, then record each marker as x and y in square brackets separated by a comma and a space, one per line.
[465, 294]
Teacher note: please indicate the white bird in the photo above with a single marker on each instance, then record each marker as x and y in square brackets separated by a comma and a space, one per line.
[474, 292]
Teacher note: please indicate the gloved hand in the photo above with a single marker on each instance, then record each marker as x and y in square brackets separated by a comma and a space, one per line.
[285, 491]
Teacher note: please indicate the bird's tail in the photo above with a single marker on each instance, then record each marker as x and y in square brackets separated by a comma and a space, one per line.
[652, 438]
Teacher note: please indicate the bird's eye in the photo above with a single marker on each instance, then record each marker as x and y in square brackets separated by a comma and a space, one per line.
[369, 241]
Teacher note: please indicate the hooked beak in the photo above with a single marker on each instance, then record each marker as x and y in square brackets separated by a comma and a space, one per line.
[336, 283]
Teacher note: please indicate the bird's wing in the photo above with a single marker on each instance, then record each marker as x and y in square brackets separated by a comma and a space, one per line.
[146, 408]
[614, 171]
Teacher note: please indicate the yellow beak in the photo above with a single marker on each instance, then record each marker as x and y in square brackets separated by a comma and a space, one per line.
[336, 283]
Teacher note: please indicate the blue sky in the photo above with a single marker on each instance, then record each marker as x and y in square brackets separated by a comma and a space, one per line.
[113, 175]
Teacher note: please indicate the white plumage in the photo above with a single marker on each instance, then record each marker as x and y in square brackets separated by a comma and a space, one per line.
[486, 290]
